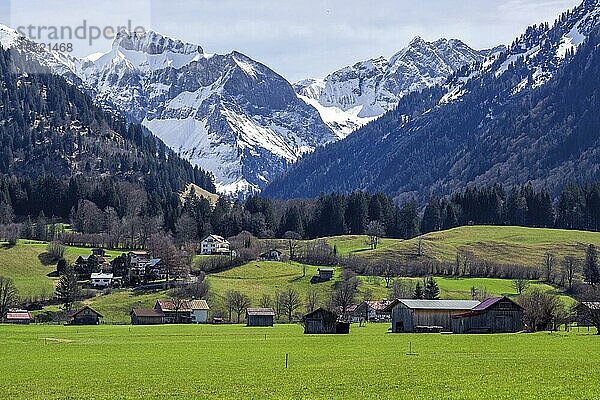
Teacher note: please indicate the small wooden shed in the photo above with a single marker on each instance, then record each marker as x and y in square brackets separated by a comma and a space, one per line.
[146, 316]
[85, 316]
[325, 274]
[495, 315]
[260, 316]
[323, 321]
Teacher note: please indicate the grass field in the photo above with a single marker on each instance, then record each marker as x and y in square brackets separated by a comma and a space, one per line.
[235, 362]
[500, 244]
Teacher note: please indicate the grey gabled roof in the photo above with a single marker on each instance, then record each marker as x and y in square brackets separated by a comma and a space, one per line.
[436, 304]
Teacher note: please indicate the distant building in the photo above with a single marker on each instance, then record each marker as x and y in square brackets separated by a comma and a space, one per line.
[426, 315]
[85, 316]
[495, 315]
[260, 316]
[99, 252]
[214, 244]
[199, 313]
[323, 321]
[18, 317]
[104, 280]
[272, 255]
[325, 274]
[373, 311]
[144, 316]
[138, 261]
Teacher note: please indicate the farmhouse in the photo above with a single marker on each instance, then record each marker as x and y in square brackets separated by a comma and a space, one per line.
[199, 314]
[495, 315]
[214, 244]
[323, 321]
[18, 317]
[103, 280]
[144, 316]
[325, 274]
[85, 316]
[156, 268]
[138, 261]
[260, 316]
[426, 315]
[371, 311]
[272, 255]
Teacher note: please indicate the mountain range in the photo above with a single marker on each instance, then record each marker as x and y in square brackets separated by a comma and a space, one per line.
[525, 115]
[234, 116]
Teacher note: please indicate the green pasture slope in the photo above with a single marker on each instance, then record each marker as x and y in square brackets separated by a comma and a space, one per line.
[507, 245]
[28, 265]
[236, 362]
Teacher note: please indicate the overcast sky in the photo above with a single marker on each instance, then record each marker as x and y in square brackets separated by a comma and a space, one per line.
[298, 39]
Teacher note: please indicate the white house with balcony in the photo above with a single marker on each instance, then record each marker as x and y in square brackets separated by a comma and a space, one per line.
[214, 244]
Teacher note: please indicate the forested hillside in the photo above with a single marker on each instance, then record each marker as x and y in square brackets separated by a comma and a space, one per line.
[58, 148]
[527, 116]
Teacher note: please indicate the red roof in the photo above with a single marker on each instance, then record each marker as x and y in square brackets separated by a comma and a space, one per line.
[18, 315]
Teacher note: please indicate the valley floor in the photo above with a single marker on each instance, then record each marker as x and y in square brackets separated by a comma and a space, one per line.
[233, 361]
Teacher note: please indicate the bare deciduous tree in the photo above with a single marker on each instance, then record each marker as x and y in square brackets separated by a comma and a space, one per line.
[265, 301]
[549, 261]
[291, 302]
[541, 310]
[8, 295]
[312, 299]
[375, 231]
[344, 294]
[570, 266]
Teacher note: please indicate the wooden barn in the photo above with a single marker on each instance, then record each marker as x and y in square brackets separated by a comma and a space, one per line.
[323, 321]
[260, 316]
[495, 315]
[146, 316]
[426, 315]
[85, 316]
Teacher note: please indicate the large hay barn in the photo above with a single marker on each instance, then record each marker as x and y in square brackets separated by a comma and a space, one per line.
[426, 315]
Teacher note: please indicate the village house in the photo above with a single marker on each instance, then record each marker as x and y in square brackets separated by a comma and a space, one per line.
[138, 261]
[371, 311]
[214, 244]
[145, 316]
[272, 255]
[101, 279]
[18, 317]
[85, 316]
[495, 315]
[199, 313]
[325, 274]
[156, 269]
[426, 315]
[323, 321]
[260, 316]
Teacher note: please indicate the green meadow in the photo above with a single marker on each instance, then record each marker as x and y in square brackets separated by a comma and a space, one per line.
[237, 362]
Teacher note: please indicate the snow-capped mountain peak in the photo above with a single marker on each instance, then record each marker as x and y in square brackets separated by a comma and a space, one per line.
[355, 95]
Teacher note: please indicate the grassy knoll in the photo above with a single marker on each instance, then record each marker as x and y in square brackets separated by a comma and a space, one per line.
[226, 362]
[28, 265]
[500, 244]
